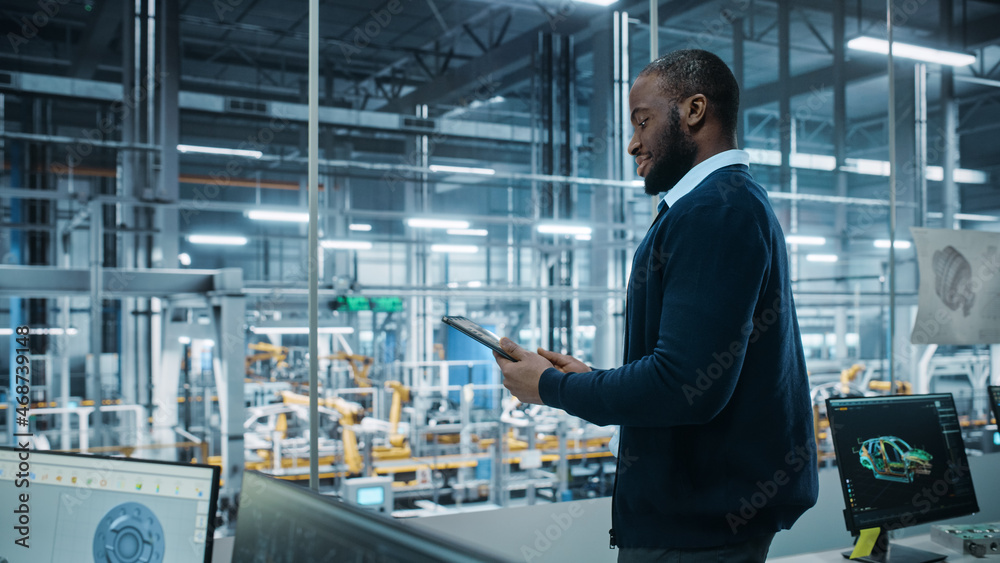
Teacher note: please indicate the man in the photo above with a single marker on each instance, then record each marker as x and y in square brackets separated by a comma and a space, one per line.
[716, 447]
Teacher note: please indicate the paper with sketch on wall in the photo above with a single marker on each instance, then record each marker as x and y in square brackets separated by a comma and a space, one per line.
[959, 297]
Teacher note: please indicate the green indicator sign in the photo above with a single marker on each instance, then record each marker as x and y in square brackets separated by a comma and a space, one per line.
[387, 304]
[353, 303]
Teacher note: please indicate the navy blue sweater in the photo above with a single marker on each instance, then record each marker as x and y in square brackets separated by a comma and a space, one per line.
[717, 434]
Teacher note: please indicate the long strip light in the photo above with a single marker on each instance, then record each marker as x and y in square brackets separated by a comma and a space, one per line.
[301, 330]
[218, 239]
[821, 257]
[422, 223]
[899, 244]
[563, 229]
[805, 240]
[218, 150]
[597, 2]
[913, 52]
[868, 167]
[363, 227]
[462, 169]
[347, 244]
[468, 232]
[283, 216]
[455, 248]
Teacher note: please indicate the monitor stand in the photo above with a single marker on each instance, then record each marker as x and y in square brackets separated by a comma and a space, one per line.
[886, 552]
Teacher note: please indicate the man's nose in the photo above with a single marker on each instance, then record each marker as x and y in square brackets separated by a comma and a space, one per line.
[633, 146]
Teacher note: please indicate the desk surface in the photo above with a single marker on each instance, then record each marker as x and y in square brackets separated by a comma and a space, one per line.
[920, 542]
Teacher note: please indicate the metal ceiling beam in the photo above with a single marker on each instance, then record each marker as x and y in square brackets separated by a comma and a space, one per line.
[43, 281]
[96, 39]
[815, 80]
[488, 70]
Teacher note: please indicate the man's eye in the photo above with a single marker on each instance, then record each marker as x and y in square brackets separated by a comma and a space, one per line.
[642, 123]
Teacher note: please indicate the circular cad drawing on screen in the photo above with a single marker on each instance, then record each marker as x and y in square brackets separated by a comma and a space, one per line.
[129, 533]
[954, 280]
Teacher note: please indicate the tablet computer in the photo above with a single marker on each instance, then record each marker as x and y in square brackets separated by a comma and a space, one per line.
[477, 333]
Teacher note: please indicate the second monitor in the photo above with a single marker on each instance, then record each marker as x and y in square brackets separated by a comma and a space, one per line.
[902, 462]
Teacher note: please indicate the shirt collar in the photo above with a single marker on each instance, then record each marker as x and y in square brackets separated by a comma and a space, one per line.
[698, 174]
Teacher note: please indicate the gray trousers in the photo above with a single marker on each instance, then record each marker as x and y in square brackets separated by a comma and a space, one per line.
[753, 551]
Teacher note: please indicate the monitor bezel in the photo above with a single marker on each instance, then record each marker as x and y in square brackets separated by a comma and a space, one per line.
[895, 522]
[213, 505]
[360, 520]
[994, 404]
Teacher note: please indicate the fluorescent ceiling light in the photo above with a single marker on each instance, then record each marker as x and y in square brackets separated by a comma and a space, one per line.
[347, 244]
[462, 170]
[563, 229]
[360, 227]
[41, 331]
[218, 239]
[184, 258]
[284, 216]
[908, 51]
[217, 150]
[805, 240]
[469, 232]
[437, 223]
[960, 175]
[975, 217]
[455, 248]
[183, 339]
[475, 284]
[301, 330]
[638, 183]
[597, 2]
[582, 237]
[813, 161]
[806, 161]
[821, 257]
[900, 244]
[453, 285]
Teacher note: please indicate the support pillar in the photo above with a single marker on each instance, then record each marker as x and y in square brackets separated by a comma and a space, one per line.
[229, 312]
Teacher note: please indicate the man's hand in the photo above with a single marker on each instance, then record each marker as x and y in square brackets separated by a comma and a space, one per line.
[564, 363]
[521, 377]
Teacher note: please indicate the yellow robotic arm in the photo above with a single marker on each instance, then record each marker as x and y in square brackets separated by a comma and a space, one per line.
[400, 394]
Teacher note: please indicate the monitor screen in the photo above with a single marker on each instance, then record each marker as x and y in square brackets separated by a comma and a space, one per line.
[280, 522]
[901, 460]
[370, 495]
[76, 507]
[995, 402]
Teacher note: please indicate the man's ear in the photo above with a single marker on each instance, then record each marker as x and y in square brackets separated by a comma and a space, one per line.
[697, 106]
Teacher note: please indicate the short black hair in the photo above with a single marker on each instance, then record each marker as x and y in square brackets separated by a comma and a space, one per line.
[693, 71]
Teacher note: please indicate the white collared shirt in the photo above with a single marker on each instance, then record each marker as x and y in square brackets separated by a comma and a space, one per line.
[682, 188]
[701, 171]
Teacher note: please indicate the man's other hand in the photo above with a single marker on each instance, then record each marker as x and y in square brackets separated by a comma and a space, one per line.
[521, 377]
[564, 363]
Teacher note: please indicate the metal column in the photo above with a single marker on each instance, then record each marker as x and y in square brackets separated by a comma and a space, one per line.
[738, 66]
[229, 312]
[840, 176]
[949, 126]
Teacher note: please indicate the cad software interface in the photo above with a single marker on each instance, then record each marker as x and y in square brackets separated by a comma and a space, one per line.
[84, 508]
[901, 459]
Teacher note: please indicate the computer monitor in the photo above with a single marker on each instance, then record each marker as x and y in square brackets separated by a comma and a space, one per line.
[68, 508]
[902, 462]
[280, 522]
[994, 391]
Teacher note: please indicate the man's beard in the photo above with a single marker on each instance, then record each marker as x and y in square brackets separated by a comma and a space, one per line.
[674, 154]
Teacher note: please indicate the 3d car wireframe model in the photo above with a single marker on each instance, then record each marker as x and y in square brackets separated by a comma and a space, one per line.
[892, 459]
